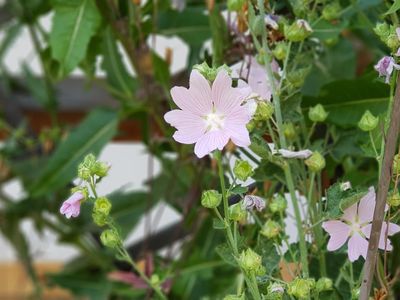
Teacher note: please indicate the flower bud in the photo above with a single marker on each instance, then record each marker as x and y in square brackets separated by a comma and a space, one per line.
[331, 11]
[251, 125]
[102, 206]
[210, 73]
[99, 219]
[392, 41]
[382, 30]
[110, 238]
[317, 113]
[298, 31]
[301, 288]
[289, 131]
[257, 25]
[296, 78]
[235, 5]
[368, 121]
[100, 169]
[271, 229]
[396, 164]
[324, 284]
[155, 280]
[251, 262]
[275, 291]
[280, 51]
[393, 199]
[237, 213]
[242, 169]
[211, 199]
[264, 111]
[316, 162]
[278, 204]
[85, 167]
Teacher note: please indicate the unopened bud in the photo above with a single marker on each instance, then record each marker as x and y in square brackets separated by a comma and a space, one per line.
[301, 288]
[317, 113]
[316, 162]
[100, 169]
[289, 131]
[298, 31]
[331, 11]
[297, 77]
[392, 41]
[110, 238]
[251, 262]
[237, 213]
[280, 51]
[324, 284]
[264, 111]
[368, 121]
[242, 169]
[275, 291]
[382, 30]
[210, 73]
[102, 206]
[278, 204]
[211, 199]
[393, 199]
[271, 229]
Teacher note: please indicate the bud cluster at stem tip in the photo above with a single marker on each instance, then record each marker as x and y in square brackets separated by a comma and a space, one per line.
[91, 167]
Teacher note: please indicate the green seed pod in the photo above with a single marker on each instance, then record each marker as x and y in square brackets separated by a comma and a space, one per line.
[100, 169]
[296, 78]
[324, 284]
[280, 51]
[237, 213]
[271, 229]
[368, 122]
[99, 219]
[275, 291]
[317, 113]
[396, 164]
[242, 169]
[393, 199]
[211, 199]
[264, 111]
[316, 162]
[251, 262]
[289, 131]
[110, 238]
[102, 206]
[298, 31]
[331, 11]
[382, 30]
[301, 288]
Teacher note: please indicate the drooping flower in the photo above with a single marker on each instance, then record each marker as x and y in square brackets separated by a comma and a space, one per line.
[354, 227]
[250, 202]
[385, 67]
[210, 115]
[302, 154]
[72, 206]
[255, 75]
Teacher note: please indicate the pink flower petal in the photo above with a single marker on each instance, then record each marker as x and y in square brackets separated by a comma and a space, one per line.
[190, 127]
[393, 229]
[350, 214]
[239, 136]
[209, 142]
[366, 206]
[339, 233]
[357, 246]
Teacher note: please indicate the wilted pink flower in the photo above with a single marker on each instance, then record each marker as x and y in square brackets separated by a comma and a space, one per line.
[385, 67]
[209, 115]
[255, 75]
[72, 206]
[302, 154]
[304, 24]
[355, 226]
[250, 202]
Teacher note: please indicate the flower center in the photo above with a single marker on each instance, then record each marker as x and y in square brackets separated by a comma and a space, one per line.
[214, 121]
[356, 227]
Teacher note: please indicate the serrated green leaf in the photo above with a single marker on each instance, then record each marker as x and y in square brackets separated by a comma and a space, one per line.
[90, 137]
[74, 23]
[260, 147]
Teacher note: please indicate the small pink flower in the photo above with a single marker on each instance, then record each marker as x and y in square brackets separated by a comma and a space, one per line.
[385, 67]
[72, 206]
[302, 154]
[355, 226]
[250, 202]
[210, 115]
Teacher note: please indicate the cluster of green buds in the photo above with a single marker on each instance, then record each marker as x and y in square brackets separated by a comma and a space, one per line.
[317, 114]
[90, 167]
[264, 111]
[387, 34]
[211, 199]
[301, 288]
[271, 229]
[298, 31]
[278, 204]
[368, 121]
[251, 262]
[242, 169]
[210, 73]
[316, 162]
[110, 238]
[332, 11]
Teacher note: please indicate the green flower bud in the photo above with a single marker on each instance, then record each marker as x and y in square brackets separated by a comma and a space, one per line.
[110, 238]
[278, 204]
[382, 30]
[317, 113]
[102, 206]
[85, 167]
[301, 288]
[289, 131]
[368, 121]
[251, 262]
[83, 190]
[271, 229]
[251, 125]
[155, 280]
[235, 5]
[330, 42]
[237, 213]
[257, 25]
[324, 284]
[298, 31]
[296, 78]
[331, 11]
[211, 199]
[392, 41]
[280, 51]
[275, 291]
[264, 111]
[99, 219]
[100, 169]
[316, 162]
[396, 164]
[355, 293]
[242, 169]
[210, 73]
[393, 199]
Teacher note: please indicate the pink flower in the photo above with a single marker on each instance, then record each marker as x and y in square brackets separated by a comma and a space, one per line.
[355, 226]
[209, 115]
[250, 202]
[72, 206]
[385, 67]
[302, 154]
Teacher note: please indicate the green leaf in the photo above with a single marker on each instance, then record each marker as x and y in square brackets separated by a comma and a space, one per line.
[218, 224]
[267, 250]
[326, 30]
[394, 8]
[161, 70]
[224, 251]
[347, 100]
[219, 33]
[260, 147]
[238, 189]
[90, 137]
[74, 23]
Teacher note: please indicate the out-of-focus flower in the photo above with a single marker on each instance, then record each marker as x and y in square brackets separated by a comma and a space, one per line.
[272, 21]
[302, 154]
[209, 115]
[355, 226]
[385, 67]
[178, 5]
[250, 202]
[72, 206]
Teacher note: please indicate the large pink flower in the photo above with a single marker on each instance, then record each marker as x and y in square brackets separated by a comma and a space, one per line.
[356, 224]
[210, 115]
[72, 206]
